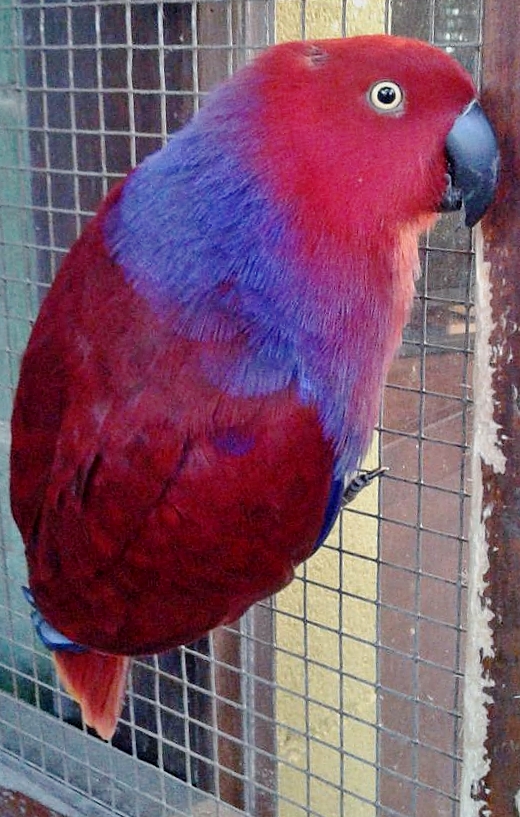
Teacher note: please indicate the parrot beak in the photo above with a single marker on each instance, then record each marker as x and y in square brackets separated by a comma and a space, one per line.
[473, 162]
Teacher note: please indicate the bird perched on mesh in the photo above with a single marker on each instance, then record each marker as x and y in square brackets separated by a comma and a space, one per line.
[205, 373]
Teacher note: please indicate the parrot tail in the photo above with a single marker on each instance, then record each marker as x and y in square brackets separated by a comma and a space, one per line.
[98, 683]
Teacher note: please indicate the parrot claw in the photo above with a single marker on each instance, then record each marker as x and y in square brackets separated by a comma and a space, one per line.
[51, 638]
[361, 481]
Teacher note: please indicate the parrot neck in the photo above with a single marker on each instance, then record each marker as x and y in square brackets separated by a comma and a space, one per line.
[273, 305]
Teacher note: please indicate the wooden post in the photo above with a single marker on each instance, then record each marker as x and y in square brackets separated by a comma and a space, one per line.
[497, 474]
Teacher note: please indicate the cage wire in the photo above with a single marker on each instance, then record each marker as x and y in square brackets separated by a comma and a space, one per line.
[343, 694]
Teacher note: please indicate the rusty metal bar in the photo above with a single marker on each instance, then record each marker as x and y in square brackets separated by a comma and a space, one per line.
[497, 475]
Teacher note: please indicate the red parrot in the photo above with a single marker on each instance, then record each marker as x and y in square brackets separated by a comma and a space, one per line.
[205, 373]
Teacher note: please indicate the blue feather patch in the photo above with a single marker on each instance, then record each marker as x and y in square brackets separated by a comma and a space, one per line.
[50, 638]
[332, 511]
[233, 443]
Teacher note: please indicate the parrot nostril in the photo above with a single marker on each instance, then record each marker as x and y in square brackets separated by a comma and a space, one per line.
[317, 56]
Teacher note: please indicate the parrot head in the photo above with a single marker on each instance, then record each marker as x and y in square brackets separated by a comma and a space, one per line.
[374, 130]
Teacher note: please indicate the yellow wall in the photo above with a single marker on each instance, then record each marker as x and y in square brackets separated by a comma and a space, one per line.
[323, 18]
[326, 625]
[326, 673]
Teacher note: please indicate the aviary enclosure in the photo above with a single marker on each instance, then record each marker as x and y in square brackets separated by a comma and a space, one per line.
[384, 681]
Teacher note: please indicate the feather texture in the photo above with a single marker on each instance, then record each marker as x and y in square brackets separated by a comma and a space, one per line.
[148, 468]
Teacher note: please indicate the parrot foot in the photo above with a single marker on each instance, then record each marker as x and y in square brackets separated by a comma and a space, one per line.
[357, 484]
[50, 637]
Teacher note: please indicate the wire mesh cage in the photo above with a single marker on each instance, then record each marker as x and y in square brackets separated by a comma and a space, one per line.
[343, 694]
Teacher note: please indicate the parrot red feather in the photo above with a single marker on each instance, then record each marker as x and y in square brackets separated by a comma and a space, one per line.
[206, 369]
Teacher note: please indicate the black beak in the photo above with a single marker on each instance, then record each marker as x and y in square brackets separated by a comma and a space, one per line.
[473, 162]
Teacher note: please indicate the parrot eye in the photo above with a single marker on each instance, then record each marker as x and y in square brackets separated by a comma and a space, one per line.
[386, 96]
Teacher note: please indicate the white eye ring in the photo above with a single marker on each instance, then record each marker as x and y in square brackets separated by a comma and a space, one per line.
[386, 96]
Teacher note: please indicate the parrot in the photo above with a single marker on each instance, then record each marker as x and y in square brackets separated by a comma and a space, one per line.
[205, 373]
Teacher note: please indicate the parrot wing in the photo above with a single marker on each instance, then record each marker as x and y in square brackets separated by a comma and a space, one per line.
[164, 506]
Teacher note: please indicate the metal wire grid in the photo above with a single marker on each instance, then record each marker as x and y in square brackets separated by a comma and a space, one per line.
[422, 592]
[423, 555]
[84, 70]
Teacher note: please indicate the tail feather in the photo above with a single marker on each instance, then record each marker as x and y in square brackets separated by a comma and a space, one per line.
[98, 683]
